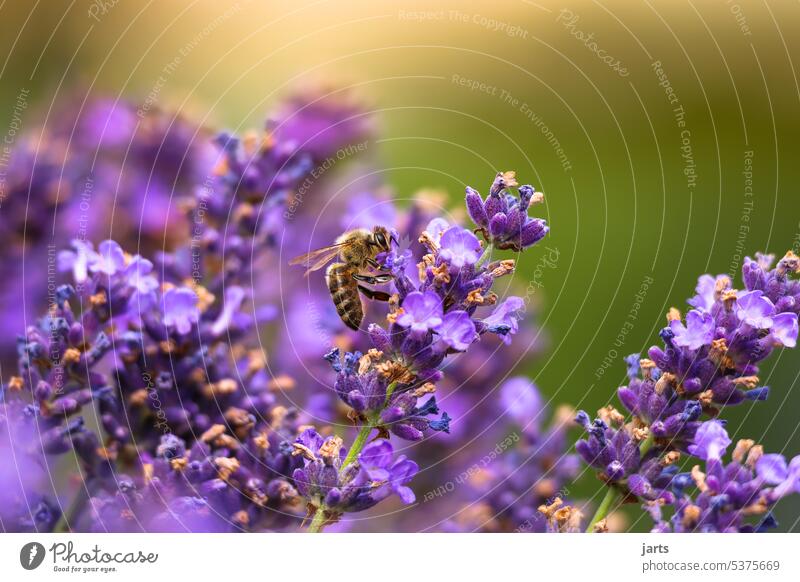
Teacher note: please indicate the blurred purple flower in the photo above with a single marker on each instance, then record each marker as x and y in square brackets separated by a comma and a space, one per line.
[180, 309]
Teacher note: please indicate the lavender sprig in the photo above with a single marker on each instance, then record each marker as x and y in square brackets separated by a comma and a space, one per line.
[433, 314]
[192, 434]
[707, 363]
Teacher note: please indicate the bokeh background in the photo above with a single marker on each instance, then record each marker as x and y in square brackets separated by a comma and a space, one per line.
[574, 96]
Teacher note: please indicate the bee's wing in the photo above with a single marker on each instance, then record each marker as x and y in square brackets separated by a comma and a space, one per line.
[317, 259]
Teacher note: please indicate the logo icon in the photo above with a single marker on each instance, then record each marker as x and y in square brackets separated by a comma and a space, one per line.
[31, 555]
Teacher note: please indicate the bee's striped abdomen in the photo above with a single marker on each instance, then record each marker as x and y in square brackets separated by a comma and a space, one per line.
[344, 292]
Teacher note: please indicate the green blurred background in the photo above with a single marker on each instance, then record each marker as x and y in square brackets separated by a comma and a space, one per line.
[462, 89]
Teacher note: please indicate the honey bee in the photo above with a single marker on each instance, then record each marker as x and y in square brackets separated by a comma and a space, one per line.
[356, 250]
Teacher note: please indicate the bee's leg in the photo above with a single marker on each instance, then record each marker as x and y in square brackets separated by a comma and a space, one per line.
[376, 265]
[372, 280]
[372, 294]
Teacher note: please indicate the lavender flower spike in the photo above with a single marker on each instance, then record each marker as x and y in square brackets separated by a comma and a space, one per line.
[706, 364]
[502, 218]
[333, 489]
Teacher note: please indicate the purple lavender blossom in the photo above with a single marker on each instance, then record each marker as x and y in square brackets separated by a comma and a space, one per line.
[459, 248]
[713, 357]
[706, 364]
[706, 292]
[504, 320]
[362, 385]
[755, 310]
[784, 329]
[774, 470]
[727, 495]
[457, 330]
[698, 331]
[422, 312]
[434, 317]
[180, 309]
[530, 471]
[503, 219]
[337, 489]
[710, 441]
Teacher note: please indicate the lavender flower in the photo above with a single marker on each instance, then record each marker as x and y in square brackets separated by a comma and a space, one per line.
[706, 364]
[357, 486]
[503, 219]
[712, 358]
[422, 312]
[432, 318]
[459, 248]
[532, 471]
[698, 331]
[710, 441]
[180, 309]
[192, 434]
[362, 383]
[727, 494]
[95, 168]
[213, 446]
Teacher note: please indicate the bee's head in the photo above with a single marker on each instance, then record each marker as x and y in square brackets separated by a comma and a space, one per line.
[382, 238]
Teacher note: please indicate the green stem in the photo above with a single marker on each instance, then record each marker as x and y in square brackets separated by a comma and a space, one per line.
[605, 505]
[647, 444]
[318, 521]
[613, 493]
[70, 516]
[487, 252]
[358, 445]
